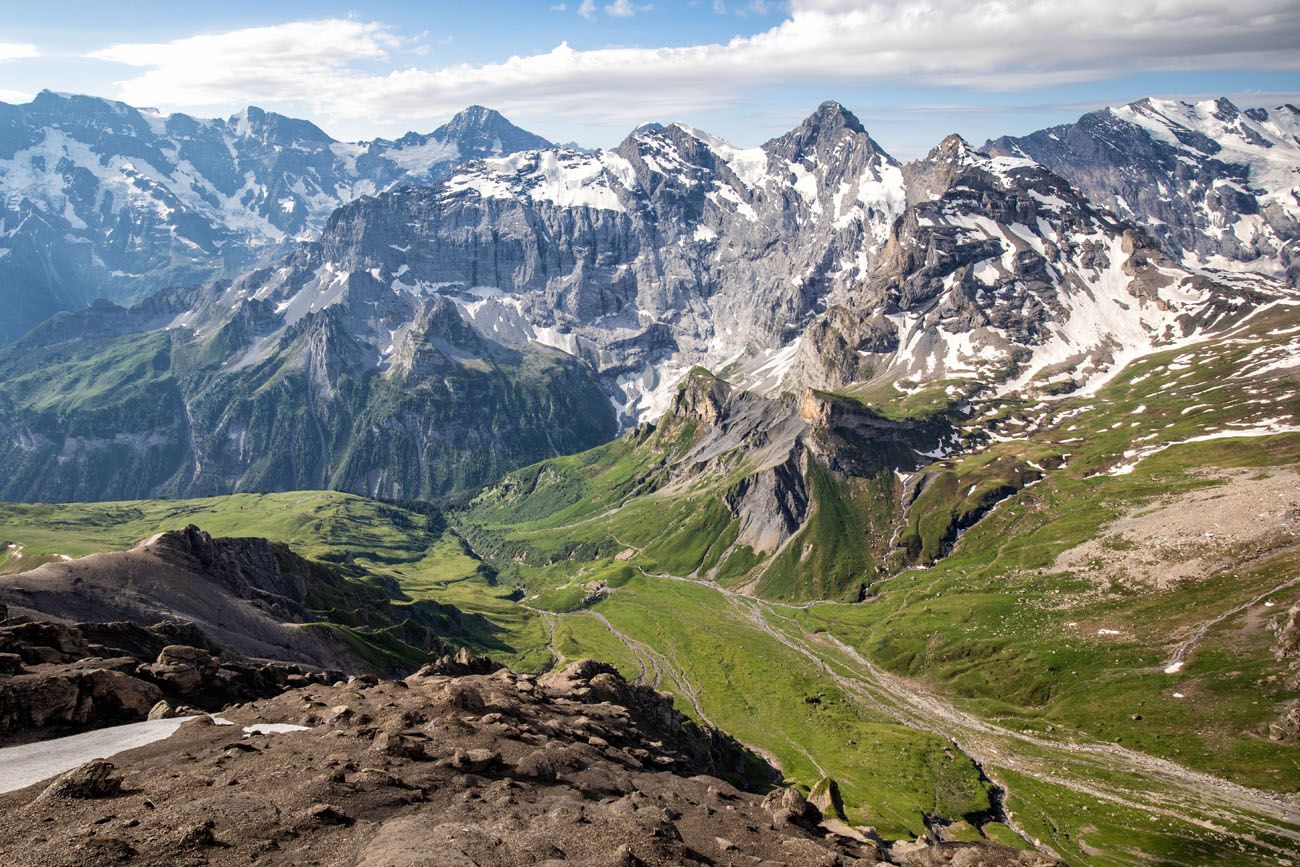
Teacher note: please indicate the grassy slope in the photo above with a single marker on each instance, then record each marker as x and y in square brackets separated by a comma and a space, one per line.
[988, 623]
[381, 540]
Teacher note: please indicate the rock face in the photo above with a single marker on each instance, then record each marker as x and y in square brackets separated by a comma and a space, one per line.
[1213, 184]
[498, 769]
[102, 200]
[801, 480]
[999, 273]
[73, 677]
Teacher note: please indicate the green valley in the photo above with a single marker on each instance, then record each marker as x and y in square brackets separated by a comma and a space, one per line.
[1006, 672]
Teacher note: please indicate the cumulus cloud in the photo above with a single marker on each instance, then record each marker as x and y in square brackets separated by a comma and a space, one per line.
[278, 62]
[974, 44]
[17, 51]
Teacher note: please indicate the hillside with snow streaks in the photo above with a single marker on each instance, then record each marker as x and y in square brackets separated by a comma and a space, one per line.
[1217, 186]
[671, 250]
[816, 259]
[999, 274]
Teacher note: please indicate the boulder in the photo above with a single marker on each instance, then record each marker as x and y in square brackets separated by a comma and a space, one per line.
[162, 710]
[116, 695]
[401, 744]
[788, 806]
[825, 796]
[475, 761]
[94, 779]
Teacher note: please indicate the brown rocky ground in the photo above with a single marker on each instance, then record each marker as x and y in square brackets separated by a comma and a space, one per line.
[1246, 515]
[249, 595]
[445, 768]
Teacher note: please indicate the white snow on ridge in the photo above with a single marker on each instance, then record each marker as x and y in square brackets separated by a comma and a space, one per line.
[1109, 319]
[748, 164]
[1269, 148]
[564, 178]
[1265, 428]
[274, 729]
[420, 158]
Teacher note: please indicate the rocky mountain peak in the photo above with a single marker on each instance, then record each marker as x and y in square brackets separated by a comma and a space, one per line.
[953, 148]
[823, 135]
[1212, 183]
[476, 117]
[1224, 110]
[480, 131]
[267, 126]
[701, 396]
[832, 114]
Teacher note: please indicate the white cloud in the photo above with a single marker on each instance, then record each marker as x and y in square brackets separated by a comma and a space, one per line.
[326, 66]
[279, 62]
[15, 97]
[17, 51]
[587, 9]
[559, 7]
[624, 9]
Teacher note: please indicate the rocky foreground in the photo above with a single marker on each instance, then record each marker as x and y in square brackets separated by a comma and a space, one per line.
[57, 678]
[456, 765]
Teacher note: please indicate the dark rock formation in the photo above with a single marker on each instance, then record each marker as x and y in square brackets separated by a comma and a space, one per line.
[244, 596]
[67, 677]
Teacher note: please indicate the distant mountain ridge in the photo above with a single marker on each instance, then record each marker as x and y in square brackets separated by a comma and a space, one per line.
[1215, 185]
[103, 200]
[529, 305]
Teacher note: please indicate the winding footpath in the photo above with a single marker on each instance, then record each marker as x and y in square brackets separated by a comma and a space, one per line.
[1185, 648]
[1105, 771]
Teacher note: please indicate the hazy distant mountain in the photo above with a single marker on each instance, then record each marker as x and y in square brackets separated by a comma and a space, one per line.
[102, 200]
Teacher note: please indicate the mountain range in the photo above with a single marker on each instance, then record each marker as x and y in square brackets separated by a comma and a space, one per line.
[961, 491]
[103, 200]
[1215, 185]
[430, 338]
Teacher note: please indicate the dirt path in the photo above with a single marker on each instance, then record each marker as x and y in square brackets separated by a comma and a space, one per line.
[1184, 649]
[550, 618]
[662, 665]
[1102, 770]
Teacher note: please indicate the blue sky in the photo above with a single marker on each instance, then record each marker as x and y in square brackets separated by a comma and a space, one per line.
[913, 70]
